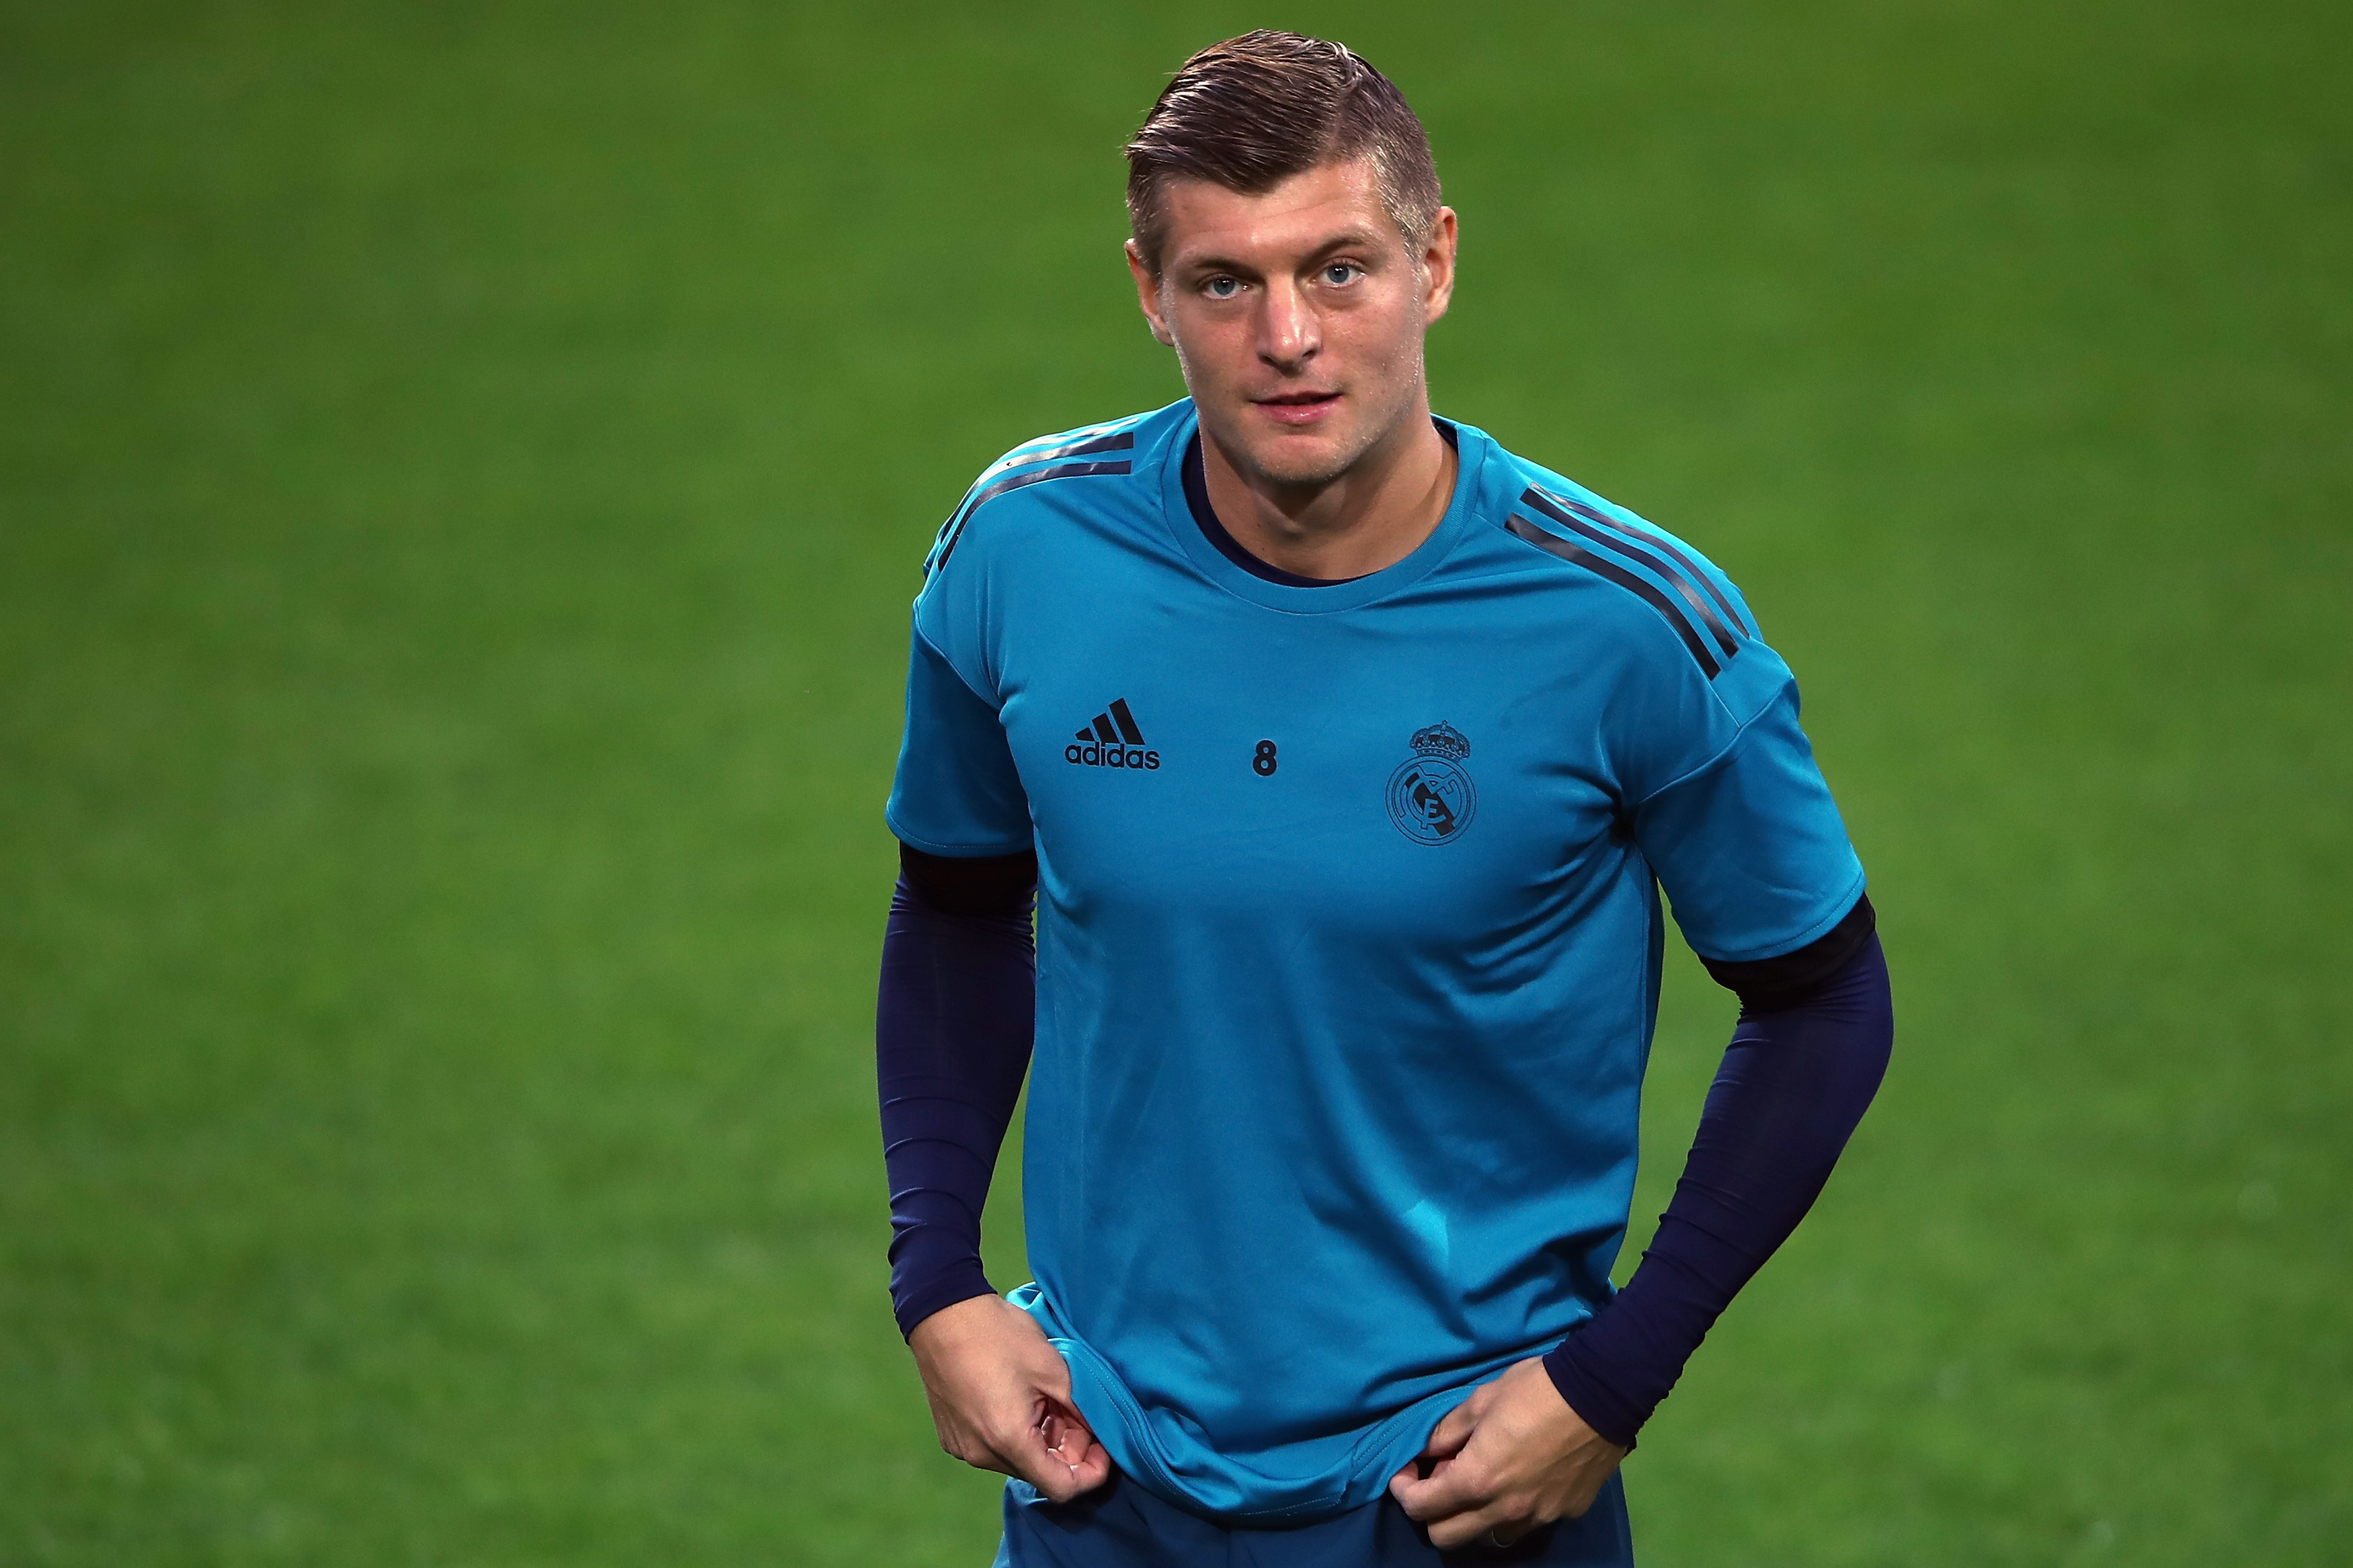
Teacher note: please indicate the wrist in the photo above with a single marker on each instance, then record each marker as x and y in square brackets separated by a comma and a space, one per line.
[1612, 1418]
[951, 1288]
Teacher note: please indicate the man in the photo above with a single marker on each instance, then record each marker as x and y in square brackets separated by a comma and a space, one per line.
[1344, 754]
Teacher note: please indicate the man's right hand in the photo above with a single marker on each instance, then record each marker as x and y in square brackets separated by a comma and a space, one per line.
[1001, 1397]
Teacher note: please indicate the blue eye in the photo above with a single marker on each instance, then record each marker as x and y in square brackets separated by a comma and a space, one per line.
[1222, 287]
[1340, 273]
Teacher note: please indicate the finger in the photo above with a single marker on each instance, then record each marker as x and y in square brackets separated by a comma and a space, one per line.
[1426, 1484]
[1416, 1480]
[1080, 1449]
[1092, 1471]
[1068, 1438]
[1059, 1411]
[1065, 1431]
[1060, 1456]
[1446, 1440]
[1058, 1481]
[1454, 1487]
[1493, 1524]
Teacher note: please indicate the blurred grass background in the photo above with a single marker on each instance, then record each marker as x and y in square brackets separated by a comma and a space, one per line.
[462, 469]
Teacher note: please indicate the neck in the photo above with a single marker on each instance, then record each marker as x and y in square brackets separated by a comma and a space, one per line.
[1373, 515]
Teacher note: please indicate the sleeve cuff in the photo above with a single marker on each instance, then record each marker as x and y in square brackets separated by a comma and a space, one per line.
[1596, 1403]
[961, 1283]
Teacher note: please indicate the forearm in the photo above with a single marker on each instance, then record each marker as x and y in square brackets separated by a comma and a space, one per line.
[952, 1035]
[1796, 1080]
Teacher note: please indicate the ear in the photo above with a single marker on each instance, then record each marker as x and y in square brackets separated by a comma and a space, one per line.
[1148, 295]
[1438, 266]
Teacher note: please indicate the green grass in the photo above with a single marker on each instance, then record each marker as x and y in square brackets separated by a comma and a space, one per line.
[461, 475]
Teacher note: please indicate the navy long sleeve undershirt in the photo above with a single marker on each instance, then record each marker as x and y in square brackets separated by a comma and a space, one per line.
[953, 1029]
[1796, 1079]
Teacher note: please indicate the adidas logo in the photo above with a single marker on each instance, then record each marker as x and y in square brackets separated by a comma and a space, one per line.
[1114, 741]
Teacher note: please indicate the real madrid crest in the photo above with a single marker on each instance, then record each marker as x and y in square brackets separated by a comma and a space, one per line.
[1431, 796]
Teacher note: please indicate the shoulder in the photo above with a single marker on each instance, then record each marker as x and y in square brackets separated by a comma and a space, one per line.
[1107, 451]
[1665, 594]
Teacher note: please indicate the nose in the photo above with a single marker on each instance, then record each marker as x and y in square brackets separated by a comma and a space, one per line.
[1289, 334]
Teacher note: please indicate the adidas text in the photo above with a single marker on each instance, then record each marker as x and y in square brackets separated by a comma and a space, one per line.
[1114, 741]
[1096, 754]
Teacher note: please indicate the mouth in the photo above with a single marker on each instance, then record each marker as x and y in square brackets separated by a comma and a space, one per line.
[1297, 408]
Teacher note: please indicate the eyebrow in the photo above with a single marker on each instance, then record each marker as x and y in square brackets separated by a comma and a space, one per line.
[1357, 240]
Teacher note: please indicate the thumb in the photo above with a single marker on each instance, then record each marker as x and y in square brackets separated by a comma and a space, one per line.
[1447, 1438]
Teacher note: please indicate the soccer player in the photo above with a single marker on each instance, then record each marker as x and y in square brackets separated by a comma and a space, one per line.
[1344, 755]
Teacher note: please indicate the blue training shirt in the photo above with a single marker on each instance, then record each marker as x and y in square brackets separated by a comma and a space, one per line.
[1348, 929]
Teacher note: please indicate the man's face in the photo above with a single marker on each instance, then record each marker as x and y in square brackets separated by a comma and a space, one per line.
[1297, 316]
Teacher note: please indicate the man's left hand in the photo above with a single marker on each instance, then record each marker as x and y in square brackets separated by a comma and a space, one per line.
[1509, 1459]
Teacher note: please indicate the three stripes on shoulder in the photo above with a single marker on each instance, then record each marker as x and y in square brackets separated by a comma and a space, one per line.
[1608, 547]
[990, 486]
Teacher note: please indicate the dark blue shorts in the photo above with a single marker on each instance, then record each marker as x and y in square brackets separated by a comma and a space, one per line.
[1120, 1525]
